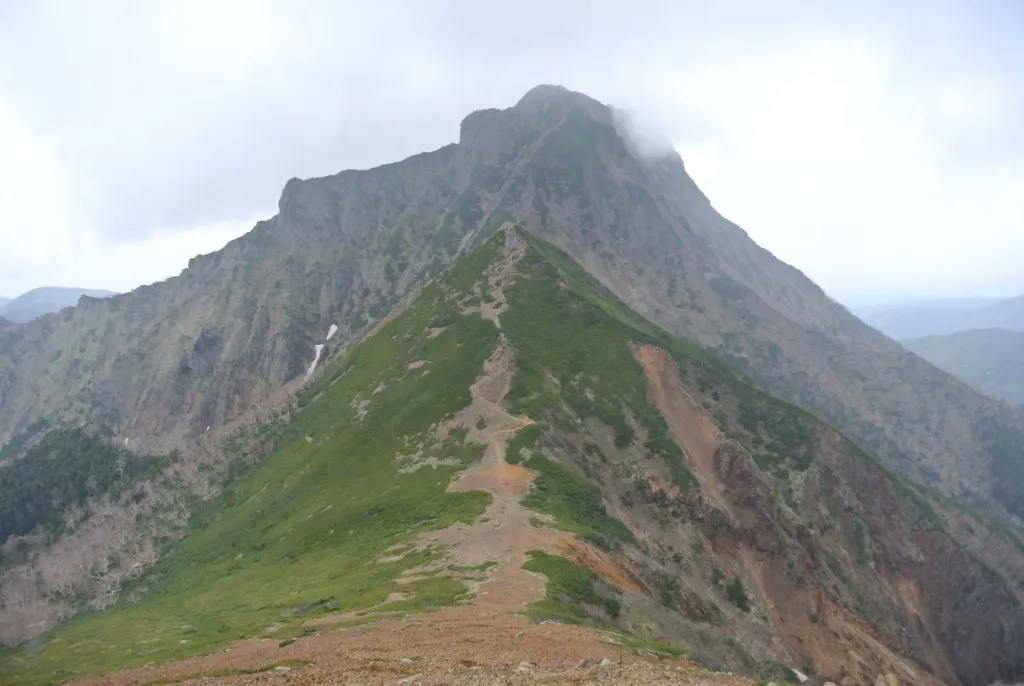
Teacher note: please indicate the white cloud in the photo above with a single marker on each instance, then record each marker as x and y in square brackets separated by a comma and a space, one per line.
[831, 161]
[44, 242]
[35, 209]
[876, 150]
[122, 266]
[125, 265]
[228, 36]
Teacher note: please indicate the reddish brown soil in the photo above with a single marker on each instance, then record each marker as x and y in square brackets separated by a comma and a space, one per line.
[443, 651]
[691, 429]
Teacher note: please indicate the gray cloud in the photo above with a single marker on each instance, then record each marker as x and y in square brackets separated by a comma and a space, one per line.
[170, 116]
[644, 136]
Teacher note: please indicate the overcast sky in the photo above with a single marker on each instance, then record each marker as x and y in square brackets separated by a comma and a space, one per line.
[879, 150]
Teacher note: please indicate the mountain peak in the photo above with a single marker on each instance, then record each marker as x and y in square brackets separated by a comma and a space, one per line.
[550, 93]
[563, 100]
[495, 132]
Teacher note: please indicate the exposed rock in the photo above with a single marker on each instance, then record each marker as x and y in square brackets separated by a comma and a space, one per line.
[524, 668]
[606, 669]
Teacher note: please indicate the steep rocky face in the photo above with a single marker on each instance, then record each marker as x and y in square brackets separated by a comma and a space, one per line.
[162, 363]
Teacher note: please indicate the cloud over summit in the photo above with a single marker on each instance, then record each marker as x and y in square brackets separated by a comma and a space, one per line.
[844, 137]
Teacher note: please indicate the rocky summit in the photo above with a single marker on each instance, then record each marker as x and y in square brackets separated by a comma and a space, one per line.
[524, 409]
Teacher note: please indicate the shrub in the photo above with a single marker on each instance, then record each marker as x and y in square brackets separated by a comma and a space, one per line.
[737, 594]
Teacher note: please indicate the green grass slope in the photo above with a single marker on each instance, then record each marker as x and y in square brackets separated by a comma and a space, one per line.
[298, 535]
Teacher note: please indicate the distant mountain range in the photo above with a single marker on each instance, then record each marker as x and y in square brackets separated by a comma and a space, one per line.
[979, 340]
[40, 301]
[945, 316]
[865, 306]
[991, 360]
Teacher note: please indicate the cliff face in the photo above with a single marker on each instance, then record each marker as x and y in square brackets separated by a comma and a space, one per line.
[162, 363]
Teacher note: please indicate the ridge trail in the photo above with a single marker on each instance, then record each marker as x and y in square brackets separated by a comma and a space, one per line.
[485, 640]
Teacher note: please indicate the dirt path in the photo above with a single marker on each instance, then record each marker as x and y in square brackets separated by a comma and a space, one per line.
[500, 275]
[505, 534]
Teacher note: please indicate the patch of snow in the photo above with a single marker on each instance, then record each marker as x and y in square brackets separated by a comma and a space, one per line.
[331, 331]
[799, 675]
[312, 367]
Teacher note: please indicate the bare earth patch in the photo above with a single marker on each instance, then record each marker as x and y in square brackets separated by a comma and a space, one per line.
[691, 429]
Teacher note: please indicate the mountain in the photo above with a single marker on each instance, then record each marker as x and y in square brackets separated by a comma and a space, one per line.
[515, 440]
[156, 367]
[179, 365]
[40, 301]
[945, 316]
[991, 360]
